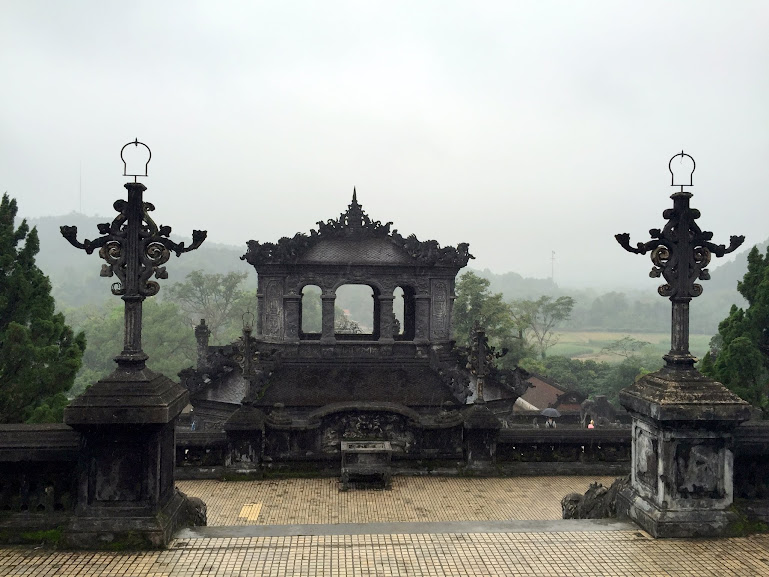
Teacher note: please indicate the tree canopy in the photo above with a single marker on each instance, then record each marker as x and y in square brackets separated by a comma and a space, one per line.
[476, 302]
[739, 356]
[216, 297]
[39, 353]
[541, 317]
[167, 339]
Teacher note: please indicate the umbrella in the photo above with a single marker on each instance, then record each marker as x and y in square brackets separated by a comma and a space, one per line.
[550, 412]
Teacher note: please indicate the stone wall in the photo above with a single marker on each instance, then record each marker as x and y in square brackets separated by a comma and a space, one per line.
[38, 462]
[38, 477]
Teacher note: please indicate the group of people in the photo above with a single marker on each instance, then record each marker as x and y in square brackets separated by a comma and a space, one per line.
[551, 424]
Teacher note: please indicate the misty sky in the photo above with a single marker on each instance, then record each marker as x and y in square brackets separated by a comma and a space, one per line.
[519, 127]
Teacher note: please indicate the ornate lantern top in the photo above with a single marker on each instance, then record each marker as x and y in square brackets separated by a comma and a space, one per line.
[680, 252]
[136, 160]
[683, 171]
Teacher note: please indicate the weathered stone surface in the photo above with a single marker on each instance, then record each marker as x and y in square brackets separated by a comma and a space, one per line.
[128, 398]
[683, 466]
[598, 502]
[684, 395]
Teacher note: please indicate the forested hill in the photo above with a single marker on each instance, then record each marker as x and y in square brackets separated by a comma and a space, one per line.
[725, 276]
[75, 274]
[76, 282]
[635, 311]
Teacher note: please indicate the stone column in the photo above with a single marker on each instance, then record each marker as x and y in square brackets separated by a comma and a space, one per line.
[481, 429]
[452, 298]
[260, 312]
[682, 457]
[422, 319]
[327, 322]
[292, 305]
[202, 334]
[386, 319]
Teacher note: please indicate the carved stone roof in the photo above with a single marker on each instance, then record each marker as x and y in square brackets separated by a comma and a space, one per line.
[355, 238]
[364, 251]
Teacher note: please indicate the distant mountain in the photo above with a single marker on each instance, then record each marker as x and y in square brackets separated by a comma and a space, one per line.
[515, 286]
[76, 282]
[725, 276]
[637, 310]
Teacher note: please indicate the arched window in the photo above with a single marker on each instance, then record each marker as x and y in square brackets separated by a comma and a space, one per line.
[356, 313]
[310, 313]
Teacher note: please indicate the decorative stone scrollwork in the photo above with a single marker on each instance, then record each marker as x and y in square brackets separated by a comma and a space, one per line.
[355, 224]
[681, 251]
[154, 248]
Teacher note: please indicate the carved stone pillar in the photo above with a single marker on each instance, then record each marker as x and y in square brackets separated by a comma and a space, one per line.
[260, 311]
[273, 309]
[422, 320]
[126, 460]
[327, 322]
[386, 319]
[439, 311]
[202, 333]
[682, 460]
[452, 298]
[481, 429]
[292, 306]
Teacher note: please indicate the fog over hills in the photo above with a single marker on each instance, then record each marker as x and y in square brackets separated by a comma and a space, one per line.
[76, 281]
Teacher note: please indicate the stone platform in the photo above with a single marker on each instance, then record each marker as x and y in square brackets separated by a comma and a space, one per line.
[309, 528]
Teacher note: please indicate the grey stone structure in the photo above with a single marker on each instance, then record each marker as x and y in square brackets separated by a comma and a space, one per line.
[683, 422]
[125, 482]
[356, 250]
[282, 394]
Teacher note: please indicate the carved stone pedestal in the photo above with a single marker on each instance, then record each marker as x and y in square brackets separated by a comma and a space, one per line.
[245, 434]
[481, 428]
[126, 493]
[683, 424]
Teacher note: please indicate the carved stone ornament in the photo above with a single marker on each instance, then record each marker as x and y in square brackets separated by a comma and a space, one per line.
[355, 224]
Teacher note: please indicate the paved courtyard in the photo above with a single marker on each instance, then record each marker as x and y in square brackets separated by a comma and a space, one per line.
[414, 499]
[422, 527]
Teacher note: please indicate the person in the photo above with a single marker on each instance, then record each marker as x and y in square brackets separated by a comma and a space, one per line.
[550, 423]
[591, 425]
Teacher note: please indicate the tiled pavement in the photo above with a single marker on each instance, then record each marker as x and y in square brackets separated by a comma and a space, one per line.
[608, 549]
[415, 499]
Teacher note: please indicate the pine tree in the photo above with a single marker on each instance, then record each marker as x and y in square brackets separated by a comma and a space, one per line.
[739, 356]
[39, 354]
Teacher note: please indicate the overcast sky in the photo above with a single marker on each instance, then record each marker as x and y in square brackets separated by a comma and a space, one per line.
[520, 127]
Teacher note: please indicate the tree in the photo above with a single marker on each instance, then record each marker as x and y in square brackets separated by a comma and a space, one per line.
[739, 358]
[39, 353]
[592, 377]
[542, 316]
[312, 321]
[625, 347]
[167, 339]
[217, 298]
[476, 302]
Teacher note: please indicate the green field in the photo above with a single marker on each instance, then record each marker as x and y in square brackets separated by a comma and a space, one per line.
[589, 344]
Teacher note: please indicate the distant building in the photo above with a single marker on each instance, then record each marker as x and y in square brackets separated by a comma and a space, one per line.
[546, 393]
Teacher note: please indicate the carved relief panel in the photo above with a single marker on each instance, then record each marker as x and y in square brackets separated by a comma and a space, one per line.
[292, 304]
[439, 321]
[699, 471]
[646, 458]
[273, 308]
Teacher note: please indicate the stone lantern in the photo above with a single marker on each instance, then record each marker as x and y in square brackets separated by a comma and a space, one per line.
[126, 492]
[683, 422]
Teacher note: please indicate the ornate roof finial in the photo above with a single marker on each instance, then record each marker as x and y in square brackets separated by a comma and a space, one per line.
[355, 218]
